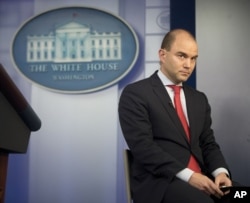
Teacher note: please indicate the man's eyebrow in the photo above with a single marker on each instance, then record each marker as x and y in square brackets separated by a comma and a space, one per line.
[186, 55]
[181, 53]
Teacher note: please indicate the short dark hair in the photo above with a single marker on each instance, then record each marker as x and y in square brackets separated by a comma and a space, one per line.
[170, 38]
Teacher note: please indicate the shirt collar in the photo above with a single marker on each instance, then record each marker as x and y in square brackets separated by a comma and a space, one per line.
[165, 81]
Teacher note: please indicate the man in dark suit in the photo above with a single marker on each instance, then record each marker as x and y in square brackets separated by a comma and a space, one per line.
[162, 151]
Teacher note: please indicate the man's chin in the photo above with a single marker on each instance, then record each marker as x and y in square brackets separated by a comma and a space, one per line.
[184, 78]
[181, 80]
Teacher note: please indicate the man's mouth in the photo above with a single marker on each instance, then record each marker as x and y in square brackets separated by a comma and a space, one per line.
[184, 73]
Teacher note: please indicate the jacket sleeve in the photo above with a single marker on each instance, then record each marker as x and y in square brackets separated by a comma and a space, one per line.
[212, 155]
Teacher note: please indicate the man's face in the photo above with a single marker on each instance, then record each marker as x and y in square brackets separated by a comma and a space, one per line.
[179, 62]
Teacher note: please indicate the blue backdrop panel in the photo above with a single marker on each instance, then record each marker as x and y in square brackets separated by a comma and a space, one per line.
[182, 15]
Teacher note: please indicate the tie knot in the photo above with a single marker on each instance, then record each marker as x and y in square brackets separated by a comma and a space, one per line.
[176, 88]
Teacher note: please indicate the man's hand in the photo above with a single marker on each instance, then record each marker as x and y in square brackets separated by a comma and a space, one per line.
[223, 180]
[205, 184]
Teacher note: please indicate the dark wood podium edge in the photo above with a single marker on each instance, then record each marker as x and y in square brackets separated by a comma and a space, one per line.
[10, 91]
[3, 173]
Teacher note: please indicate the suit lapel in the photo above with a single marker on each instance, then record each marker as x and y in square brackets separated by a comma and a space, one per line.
[163, 96]
[190, 111]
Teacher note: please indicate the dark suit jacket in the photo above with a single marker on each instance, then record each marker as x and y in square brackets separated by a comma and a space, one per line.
[157, 140]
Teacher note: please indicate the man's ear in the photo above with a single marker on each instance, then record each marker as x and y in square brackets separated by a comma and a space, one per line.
[162, 54]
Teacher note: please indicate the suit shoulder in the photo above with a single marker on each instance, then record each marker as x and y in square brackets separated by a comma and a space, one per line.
[195, 92]
[140, 84]
[145, 83]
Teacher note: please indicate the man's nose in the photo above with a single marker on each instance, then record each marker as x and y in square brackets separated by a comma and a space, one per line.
[188, 63]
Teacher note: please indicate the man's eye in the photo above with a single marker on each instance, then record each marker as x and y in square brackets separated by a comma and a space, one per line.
[181, 56]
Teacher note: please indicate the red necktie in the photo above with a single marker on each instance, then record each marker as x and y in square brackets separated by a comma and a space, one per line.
[192, 164]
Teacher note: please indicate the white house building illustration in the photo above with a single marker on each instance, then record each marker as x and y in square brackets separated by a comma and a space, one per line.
[74, 42]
